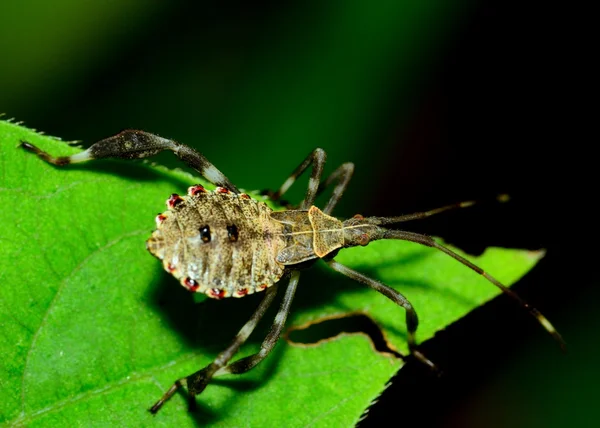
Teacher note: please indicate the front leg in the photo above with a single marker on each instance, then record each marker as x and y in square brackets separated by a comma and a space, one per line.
[132, 144]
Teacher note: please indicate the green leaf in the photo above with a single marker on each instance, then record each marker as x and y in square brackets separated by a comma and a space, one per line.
[94, 331]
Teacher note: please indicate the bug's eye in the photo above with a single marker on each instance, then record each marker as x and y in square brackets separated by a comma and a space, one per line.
[232, 233]
[205, 233]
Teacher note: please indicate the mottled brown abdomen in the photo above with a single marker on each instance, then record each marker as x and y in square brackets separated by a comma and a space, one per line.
[219, 243]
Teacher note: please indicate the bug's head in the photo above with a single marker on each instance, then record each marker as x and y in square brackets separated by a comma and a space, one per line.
[360, 230]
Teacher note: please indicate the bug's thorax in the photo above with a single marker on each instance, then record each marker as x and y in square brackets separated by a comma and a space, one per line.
[218, 242]
[309, 234]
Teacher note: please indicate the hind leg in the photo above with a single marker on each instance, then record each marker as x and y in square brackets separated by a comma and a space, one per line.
[133, 144]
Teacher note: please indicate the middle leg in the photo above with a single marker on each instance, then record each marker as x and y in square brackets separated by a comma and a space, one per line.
[317, 159]
[412, 321]
[197, 382]
[244, 364]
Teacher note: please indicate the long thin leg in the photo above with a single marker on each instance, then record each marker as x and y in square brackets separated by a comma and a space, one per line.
[424, 214]
[317, 159]
[342, 175]
[244, 364]
[412, 321]
[430, 242]
[133, 144]
[196, 382]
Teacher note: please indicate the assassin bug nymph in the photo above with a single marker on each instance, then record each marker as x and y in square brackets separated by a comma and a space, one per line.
[224, 243]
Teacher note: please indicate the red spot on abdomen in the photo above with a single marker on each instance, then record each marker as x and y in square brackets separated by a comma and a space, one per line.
[160, 218]
[174, 200]
[222, 190]
[196, 189]
[216, 293]
[191, 284]
[241, 292]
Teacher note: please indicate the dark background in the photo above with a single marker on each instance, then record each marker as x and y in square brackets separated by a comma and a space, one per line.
[435, 103]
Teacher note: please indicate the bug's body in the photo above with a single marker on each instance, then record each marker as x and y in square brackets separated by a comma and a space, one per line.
[223, 243]
[219, 243]
[226, 244]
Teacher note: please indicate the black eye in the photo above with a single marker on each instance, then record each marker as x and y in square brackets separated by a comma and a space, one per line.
[205, 234]
[232, 233]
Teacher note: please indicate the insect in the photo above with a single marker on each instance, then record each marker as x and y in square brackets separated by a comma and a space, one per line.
[223, 243]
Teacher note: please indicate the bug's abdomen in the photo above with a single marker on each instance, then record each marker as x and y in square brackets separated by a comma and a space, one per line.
[219, 243]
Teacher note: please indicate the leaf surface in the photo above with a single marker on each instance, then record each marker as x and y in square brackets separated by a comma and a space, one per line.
[94, 331]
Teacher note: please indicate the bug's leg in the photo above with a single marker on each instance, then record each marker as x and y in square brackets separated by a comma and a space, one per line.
[317, 159]
[133, 144]
[196, 382]
[412, 321]
[244, 364]
[430, 242]
[425, 214]
[342, 175]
